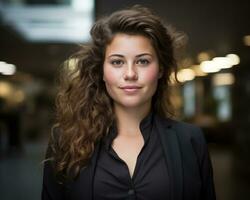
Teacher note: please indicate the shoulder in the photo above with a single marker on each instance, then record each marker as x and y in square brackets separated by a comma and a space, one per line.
[182, 129]
[187, 130]
[189, 135]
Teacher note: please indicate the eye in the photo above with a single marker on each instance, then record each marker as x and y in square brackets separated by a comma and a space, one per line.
[142, 61]
[117, 62]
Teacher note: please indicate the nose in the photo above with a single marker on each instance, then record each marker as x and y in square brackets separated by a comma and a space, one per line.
[130, 73]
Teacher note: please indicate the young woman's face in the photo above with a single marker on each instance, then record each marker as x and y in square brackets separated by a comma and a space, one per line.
[131, 70]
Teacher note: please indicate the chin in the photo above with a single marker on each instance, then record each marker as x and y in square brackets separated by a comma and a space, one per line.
[132, 103]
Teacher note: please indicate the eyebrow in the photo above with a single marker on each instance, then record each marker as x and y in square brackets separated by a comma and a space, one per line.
[137, 56]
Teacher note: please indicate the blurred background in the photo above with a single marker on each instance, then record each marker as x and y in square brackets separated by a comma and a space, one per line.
[37, 36]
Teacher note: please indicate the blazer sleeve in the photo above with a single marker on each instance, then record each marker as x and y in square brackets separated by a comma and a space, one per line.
[206, 170]
[51, 188]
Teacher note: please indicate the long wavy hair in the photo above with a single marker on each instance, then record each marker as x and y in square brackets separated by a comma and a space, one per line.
[84, 112]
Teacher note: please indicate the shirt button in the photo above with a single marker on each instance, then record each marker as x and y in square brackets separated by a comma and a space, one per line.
[131, 192]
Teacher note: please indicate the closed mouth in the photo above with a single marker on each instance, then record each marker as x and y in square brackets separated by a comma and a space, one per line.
[130, 87]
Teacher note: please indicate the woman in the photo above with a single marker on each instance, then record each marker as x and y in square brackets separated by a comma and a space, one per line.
[114, 138]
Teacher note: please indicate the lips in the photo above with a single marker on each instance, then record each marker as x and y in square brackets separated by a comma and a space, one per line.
[131, 89]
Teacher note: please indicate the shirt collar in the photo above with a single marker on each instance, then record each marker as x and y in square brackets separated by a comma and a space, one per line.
[145, 126]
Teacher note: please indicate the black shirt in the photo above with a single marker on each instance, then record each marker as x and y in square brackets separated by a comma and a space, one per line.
[150, 179]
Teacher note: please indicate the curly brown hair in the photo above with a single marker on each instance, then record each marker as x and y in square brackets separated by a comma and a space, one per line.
[84, 112]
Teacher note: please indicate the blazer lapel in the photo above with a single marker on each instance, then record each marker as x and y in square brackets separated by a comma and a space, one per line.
[82, 188]
[172, 153]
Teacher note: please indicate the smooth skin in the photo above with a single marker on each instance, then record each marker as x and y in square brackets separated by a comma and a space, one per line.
[131, 72]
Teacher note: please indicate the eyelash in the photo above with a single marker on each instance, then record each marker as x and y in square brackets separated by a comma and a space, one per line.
[115, 62]
[143, 62]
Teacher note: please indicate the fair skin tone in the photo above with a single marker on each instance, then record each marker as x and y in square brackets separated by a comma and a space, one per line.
[131, 73]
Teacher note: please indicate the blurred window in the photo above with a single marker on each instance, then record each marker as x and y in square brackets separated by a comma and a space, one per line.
[189, 99]
[222, 96]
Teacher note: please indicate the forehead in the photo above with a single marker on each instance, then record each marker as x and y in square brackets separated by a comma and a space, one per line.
[126, 44]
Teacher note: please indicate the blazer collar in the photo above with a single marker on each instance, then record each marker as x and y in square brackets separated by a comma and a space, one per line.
[83, 187]
[171, 148]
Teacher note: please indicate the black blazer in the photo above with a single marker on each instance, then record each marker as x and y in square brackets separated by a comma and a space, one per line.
[187, 159]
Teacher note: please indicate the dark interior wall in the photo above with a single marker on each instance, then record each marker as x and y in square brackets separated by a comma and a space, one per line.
[209, 25]
[42, 60]
[217, 25]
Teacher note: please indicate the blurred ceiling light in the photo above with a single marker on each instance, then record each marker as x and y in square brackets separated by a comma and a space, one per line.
[234, 59]
[223, 79]
[185, 75]
[203, 56]
[209, 67]
[7, 69]
[197, 70]
[222, 62]
[51, 23]
[2, 65]
[5, 89]
[80, 5]
[19, 96]
[246, 40]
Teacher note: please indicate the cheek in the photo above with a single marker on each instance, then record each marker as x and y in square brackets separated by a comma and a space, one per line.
[152, 75]
[109, 75]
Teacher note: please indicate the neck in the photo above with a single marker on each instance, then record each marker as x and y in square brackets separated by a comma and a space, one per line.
[128, 119]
